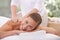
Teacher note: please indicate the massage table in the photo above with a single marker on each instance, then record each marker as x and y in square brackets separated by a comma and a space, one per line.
[38, 35]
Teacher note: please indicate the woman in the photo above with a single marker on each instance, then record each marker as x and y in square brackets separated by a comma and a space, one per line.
[27, 7]
[29, 24]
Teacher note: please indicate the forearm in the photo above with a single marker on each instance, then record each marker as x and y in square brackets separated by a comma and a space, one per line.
[13, 10]
[50, 30]
[6, 33]
[32, 11]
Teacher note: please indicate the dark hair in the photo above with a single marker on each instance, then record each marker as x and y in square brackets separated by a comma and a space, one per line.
[37, 18]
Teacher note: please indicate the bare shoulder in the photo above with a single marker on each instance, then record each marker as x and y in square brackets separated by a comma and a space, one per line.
[7, 26]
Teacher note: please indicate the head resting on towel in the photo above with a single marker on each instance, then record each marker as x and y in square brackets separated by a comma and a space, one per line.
[31, 22]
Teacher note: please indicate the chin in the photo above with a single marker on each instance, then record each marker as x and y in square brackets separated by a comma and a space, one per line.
[29, 30]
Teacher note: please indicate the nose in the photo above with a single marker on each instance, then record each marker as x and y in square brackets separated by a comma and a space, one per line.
[23, 26]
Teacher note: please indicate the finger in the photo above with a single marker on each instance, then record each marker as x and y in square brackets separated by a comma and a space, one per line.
[14, 20]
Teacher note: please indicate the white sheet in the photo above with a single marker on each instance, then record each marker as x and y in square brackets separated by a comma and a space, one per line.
[33, 36]
[38, 35]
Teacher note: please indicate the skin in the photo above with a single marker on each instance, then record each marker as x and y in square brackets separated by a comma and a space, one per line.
[9, 28]
[28, 24]
[12, 28]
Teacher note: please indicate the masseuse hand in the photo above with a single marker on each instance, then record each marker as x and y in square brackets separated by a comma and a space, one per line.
[14, 19]
[16, 22]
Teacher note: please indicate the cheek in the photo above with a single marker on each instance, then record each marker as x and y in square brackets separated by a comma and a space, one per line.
[21, 27]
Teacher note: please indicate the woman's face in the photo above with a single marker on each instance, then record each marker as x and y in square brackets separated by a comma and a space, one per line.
[28, 24]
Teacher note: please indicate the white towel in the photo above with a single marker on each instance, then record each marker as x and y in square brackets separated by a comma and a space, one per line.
[38, 35]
